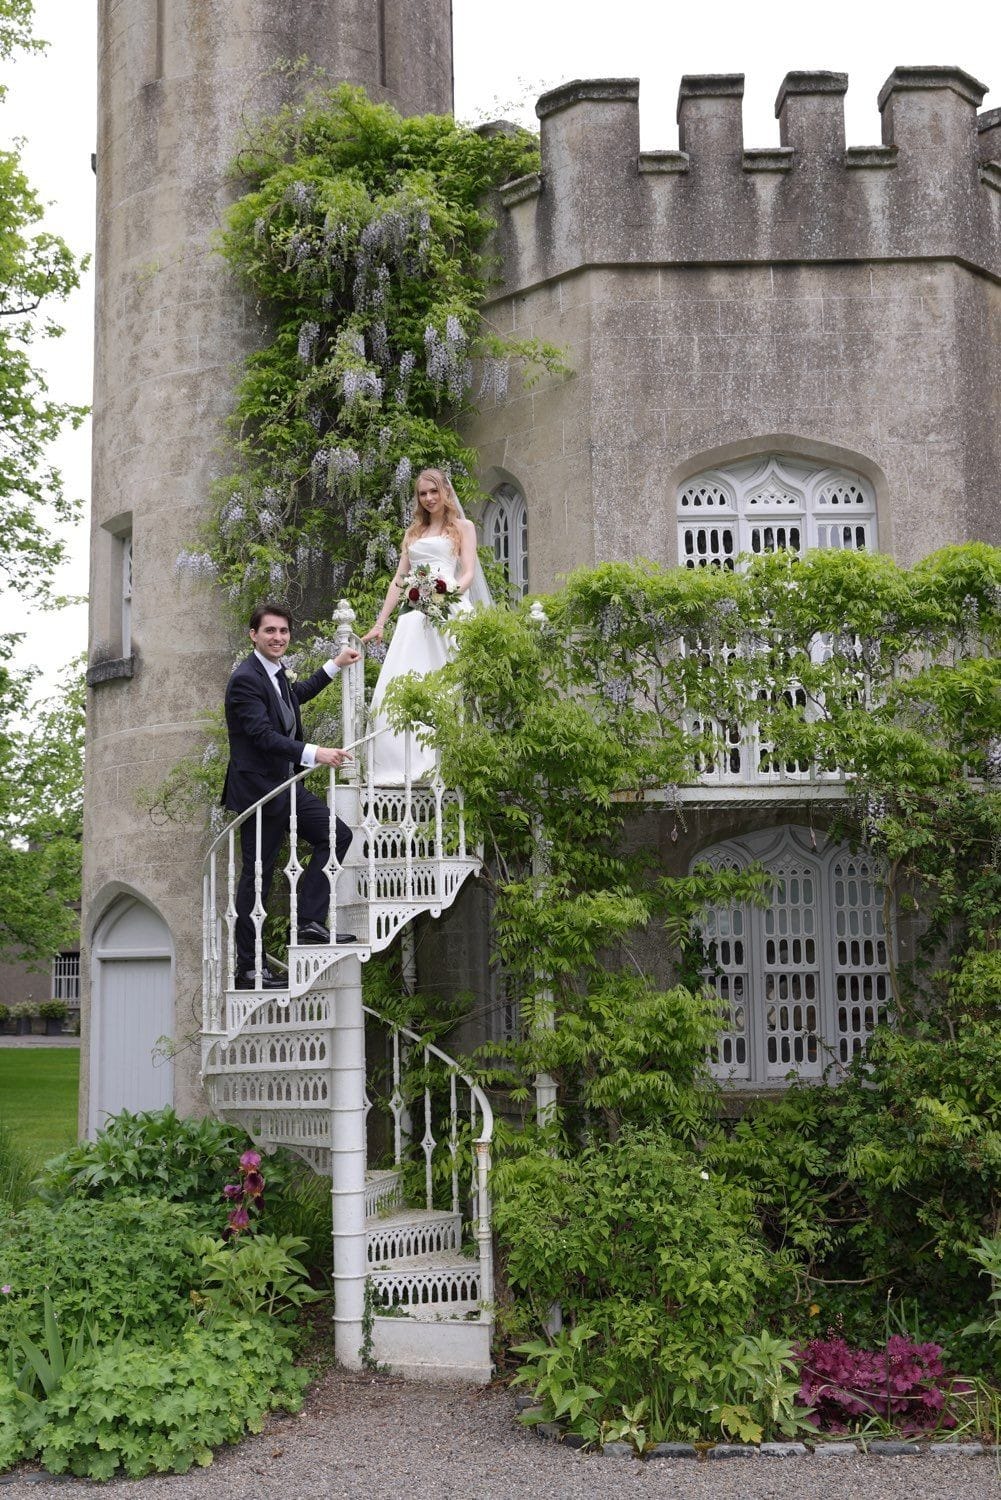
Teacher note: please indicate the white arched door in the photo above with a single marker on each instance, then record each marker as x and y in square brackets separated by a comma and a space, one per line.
[132, 1007]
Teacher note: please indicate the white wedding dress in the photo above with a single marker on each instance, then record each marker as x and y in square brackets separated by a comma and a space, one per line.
[420, 647]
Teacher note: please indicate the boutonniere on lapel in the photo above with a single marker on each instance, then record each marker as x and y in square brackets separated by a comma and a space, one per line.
[291, 675]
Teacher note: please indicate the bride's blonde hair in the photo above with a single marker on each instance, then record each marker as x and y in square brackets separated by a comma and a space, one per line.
[450, 520]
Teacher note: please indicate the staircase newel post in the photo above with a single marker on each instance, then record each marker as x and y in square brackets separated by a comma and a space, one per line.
[347, 1162]
[484, 1241]
[351, 727]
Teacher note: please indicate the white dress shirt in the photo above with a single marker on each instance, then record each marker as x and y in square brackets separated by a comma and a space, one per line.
[308, 757]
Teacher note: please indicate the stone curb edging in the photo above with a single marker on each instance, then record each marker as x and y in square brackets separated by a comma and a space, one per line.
[876, 1448]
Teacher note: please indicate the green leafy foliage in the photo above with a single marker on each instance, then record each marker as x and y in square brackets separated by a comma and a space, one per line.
[765, 1384]
[108, 1263]
[556, 731]
[46, 1363]
[16, 1171]
[360, 233]
[13, 1437]
[144, 1409]
[258, 1273]
[41, 814]
[662, 1267]
[36, 269]
[153, 1152]
[920, 1123]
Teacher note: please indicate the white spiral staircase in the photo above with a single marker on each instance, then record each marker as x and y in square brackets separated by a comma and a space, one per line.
[411, 1241]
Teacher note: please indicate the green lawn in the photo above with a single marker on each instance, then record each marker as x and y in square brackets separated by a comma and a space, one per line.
[38, 1094]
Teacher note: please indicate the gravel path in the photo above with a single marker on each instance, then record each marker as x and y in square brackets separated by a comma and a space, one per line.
[377, 1437]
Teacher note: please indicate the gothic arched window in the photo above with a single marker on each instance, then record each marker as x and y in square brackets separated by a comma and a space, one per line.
[770, 503]
[803, 982]
[505, 532]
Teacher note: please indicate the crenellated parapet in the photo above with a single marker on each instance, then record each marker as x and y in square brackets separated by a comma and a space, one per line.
[931, 188]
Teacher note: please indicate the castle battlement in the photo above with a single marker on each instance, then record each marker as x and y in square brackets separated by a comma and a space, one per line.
[930, 189]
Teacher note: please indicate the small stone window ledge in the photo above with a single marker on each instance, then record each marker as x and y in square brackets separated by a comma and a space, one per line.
[768, 159]
[519, 189]
[107, 671]
[662, 161]
[871, 156]
[990, 175]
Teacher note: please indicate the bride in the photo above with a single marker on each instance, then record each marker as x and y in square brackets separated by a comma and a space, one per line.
[440, 536]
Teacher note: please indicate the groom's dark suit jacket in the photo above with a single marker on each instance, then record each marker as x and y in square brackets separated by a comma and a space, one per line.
[261, 754]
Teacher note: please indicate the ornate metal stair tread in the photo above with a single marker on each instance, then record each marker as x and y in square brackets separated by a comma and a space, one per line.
[446, 1282]
[410, 1235]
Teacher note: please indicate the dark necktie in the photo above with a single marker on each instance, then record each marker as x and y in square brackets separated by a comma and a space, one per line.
[288, 713]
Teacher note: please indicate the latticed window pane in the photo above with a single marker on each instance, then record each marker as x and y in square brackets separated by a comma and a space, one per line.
[505, 532]
[704, 497]
[862, 978]
[774, 497]
[843, 494]
[521, 573]
[66, 978]
[499, 538]
[843, 536]
[776, 502]
[803, 983]
[726, 971]
[775, 538]
[706, 546]
[792, 975]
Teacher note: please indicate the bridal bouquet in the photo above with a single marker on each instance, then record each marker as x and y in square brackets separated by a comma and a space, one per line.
[433, 596]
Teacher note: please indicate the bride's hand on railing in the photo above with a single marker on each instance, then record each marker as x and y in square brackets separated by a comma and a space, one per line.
[375, 634]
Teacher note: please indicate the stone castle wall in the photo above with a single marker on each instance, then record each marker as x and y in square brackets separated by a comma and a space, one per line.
[714, 302]
[179, 81]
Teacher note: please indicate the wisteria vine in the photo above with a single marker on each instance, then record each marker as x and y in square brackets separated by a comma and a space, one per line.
[361, 235]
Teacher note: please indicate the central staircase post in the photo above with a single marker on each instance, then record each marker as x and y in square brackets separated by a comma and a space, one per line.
[348, 1161]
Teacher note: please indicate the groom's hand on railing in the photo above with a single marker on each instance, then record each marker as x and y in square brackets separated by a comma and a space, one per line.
[347, 657]
[329, 757]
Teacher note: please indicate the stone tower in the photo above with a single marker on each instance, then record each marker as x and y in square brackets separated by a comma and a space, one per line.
[178, 82]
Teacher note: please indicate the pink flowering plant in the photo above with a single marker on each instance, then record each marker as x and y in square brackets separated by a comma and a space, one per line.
[433, 596]
[905, 1387]
[246, 1197]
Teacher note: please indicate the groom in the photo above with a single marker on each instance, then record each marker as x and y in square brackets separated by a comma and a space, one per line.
[266, 747]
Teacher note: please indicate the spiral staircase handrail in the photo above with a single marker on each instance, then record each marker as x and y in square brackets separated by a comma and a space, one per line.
[485, 1108]
[276, 792]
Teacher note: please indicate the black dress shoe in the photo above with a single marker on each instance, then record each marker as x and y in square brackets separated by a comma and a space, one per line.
[315, 932]
[312, 932]
[246, 979]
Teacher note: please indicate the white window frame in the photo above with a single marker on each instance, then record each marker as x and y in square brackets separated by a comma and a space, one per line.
[504, 529]
[66, 978]
[777, 501]
[826, 948]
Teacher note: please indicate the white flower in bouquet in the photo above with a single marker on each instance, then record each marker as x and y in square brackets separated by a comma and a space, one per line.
[431, 594]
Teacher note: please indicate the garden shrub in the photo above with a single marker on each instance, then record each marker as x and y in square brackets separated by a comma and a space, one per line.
[16, 1171]
[920, 1128]
[662, 1264]
[144, 1408]
[153, 1153]
[124, 1262]
[905, 1386]
[13, 1439]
